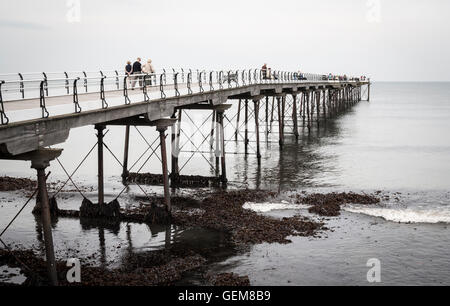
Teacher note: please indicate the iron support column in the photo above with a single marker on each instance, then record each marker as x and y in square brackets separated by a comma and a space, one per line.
[222, 143]
[40, 167]
[237, 120]
[294, 115]
[280, 123]
[258, 151]
[125, 172]
[162, 139]
[246, 127]
[101, 194]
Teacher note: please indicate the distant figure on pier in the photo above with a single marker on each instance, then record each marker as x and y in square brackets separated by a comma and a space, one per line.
[137, 69]
[264, 72]
[128, 71]
[148, 69]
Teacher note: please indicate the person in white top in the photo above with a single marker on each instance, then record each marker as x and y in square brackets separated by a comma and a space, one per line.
[148, 69]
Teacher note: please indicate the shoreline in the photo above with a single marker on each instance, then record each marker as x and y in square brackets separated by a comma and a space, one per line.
[221, 213]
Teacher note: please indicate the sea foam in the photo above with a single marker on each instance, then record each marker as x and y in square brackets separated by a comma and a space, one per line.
[404, 215]
[267, 207]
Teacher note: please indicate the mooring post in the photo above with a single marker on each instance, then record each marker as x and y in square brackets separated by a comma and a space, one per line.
[294, 115]
[162, 138]
[125, 172]
[280, 123]
[101, 194]
[237, 120]
[246, 127]
[258, 151]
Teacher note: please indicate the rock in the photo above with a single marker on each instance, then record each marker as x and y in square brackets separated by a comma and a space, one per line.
[97, 211]
[230, 280]
[13, 184]
[54, 211]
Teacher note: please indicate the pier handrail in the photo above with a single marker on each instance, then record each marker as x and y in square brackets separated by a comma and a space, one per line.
[102, 83]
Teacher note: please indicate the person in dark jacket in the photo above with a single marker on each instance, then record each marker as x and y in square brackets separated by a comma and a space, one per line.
[128, 68]
[128, 72]
[137, 71]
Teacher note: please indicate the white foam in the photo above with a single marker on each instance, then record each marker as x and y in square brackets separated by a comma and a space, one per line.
[11, 275]
[405, 215]
[267, 207]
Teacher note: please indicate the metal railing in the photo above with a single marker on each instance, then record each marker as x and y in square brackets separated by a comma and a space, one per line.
[22, 86]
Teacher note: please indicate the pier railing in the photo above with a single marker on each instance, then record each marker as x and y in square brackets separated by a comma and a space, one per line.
[26, 86]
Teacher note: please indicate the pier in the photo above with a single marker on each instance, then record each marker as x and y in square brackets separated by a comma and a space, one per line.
[38, 111]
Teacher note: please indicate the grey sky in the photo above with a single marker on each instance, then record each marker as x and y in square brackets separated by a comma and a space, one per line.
[410, 41]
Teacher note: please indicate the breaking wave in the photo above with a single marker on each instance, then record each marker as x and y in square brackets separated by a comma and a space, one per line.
[267, 207]
[405, 215]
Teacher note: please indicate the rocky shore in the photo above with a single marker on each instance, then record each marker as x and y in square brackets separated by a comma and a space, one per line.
[220, 211]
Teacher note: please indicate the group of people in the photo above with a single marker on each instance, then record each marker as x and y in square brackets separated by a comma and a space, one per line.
[344, 77]
[136, 71]
[268, 75]
[266, 72]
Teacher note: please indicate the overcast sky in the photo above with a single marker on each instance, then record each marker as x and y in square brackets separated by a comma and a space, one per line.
[397, 40]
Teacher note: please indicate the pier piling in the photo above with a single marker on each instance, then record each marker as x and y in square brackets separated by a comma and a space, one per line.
[258, 151]
[294, 115]
[101, 191]
[280, 123]
[46, 222]
[125, 172]
[246, 127]
[162, 138]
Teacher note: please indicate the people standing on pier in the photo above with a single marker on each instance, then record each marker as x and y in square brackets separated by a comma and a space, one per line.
[137, 71]
[148, 69]
[264, 71]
